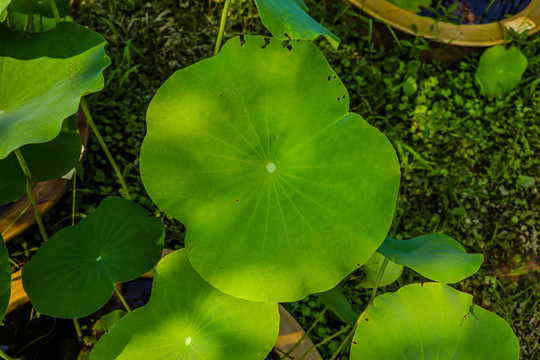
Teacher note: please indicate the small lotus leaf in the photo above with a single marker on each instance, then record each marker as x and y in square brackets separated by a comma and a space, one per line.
[66, 63]
[46, 161]
[339, 304]
[188, 319]
[414, 6]
[73, 274]
[3, 5]
[432, 321]
[40, 7]
[5, 278]
[254, 150]
[435, 256]
[287, 19]
[41, 24]
[371, 268]
[499, 70]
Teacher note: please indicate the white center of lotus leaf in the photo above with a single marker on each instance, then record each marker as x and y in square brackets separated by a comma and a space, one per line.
[270, 167]
[1, 112]
[98, 258]
[188, 340]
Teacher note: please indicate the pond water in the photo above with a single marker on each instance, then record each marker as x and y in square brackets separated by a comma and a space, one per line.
[478, 11]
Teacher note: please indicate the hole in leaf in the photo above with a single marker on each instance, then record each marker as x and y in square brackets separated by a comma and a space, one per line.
[237, 200]
[289, 47]
[242, 40]
[285, 43]
[367, 319]
[287, 36]
[266, 42]
[354, 342]
[338, 98]
[329, 78]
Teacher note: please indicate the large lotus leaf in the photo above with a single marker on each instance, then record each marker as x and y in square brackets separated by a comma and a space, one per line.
[73, 274]
[499, 70]
[5, 278]
[46, 161]
[370, 271]
[414, 6]
[435, 256]
[188, 319]
[432, 321]
[255, 152]
[65, 63]
[287, 19]
[40, 7]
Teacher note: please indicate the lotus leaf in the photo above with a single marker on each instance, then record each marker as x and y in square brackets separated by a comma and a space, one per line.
[40, 7]
[287, 19]
[74, 273]
[336, 301]
[371, 268]
[66, 63]
[5, 278]
[188, 319]
[254, 150]
[3, 6]
[435, 256]
[499, 70]
[432, 321]
[46, 161]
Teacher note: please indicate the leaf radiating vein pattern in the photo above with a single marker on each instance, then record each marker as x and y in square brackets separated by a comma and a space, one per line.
[188, 319]
[317, 187]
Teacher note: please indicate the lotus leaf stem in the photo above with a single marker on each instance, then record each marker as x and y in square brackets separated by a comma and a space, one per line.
[30, 16]
[122, 299]
[323, 342]
[78, 329]
[5, 356]
[105, 149]
[29, 193]
[55, 11]
[221, 26]
[364, 313]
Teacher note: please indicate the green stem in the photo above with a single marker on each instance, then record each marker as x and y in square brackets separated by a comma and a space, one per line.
[323, 342]
[305, 335]
[222, 26]
[30, 16]
[5, 356]
[15, 220]
[29, 186]
[74, 193]
[78, 329]
[105, 149]
[122, 299]
[55, 11]
[364, 313]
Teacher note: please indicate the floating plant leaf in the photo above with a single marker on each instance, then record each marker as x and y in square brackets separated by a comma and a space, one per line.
[66, 63]
[5, 278]
[287, 19]
[435, 256]
[254, 150]
[188, 319]
[500, 69]
[73, 274]
[46, 161]
[414, 6]
[432, 321]
[339, 304]
[3, 6]
[40, 7]
[371, 268]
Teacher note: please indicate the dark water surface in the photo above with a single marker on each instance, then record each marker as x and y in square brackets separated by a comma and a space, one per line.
[474, 11]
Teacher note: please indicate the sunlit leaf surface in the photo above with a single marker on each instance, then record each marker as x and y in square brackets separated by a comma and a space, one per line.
[188, 319]
[282, 190]
[432, 321]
